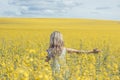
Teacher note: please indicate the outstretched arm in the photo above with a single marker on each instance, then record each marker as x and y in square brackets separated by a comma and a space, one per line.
[69, 50]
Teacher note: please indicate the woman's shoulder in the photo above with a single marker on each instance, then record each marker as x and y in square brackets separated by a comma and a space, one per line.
[64, 49]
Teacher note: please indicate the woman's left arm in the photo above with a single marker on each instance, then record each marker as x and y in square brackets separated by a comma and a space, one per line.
[69, 50]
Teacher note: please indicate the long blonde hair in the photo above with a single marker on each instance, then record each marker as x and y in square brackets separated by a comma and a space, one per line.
[56, 43]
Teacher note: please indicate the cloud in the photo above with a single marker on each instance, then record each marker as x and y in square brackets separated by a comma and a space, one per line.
[44, 7]
[10, 13]
[95, 12]
[99, 9]
[102, 8]
[118, 6]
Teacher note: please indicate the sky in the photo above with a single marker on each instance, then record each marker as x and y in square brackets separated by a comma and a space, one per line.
[90, 9]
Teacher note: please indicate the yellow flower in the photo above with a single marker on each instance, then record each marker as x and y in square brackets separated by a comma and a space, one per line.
[115, 66]
[32, 51]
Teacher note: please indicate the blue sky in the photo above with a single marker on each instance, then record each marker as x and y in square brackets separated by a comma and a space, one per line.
[92, 9]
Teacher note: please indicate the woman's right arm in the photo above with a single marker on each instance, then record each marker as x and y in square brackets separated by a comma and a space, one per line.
[49, 56]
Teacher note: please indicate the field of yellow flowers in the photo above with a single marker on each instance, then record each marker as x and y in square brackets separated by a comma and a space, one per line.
[23, 44]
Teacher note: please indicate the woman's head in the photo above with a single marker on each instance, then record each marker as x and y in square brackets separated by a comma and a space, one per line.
[56, 39]
[56, 42]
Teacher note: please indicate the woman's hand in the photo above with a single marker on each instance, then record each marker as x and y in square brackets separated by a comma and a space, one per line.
[96, 50]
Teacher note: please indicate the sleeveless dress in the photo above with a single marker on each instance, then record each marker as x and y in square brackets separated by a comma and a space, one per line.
[59, 67]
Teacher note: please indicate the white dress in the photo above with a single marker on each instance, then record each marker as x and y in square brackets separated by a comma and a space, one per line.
[59, 66]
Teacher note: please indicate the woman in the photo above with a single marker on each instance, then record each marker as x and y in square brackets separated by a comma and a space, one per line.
[56, 55]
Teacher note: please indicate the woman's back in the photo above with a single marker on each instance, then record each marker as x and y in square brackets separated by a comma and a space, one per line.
[58, 65]
[58, 61]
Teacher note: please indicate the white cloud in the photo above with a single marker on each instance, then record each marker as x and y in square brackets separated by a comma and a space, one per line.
[98, 9]
[103, 8]
[38, 7]
[118, 5]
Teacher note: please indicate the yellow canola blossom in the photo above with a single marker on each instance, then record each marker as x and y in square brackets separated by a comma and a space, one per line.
[23, 45]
